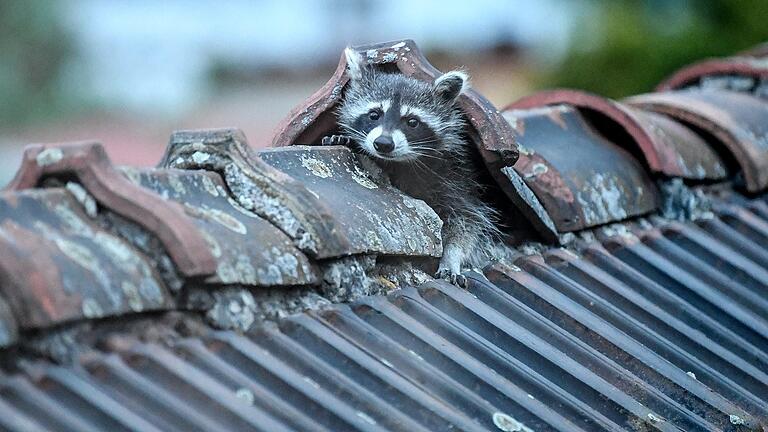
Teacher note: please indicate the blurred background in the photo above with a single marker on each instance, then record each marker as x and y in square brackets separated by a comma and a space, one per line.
[128, 73]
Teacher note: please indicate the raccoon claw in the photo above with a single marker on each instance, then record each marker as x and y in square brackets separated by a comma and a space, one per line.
[336, 140]
[454, 278]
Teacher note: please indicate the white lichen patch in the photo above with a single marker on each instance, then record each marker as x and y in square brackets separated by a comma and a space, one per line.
[316, 167]
[177, 185]
[92, 309]
[209, 186]
[362, 178]
[200, 158]
[49, 156]
[215, 215]
[389, 57]
[254, 198]
[213, 244]
[536, 170]
[736, 420]
[238, 269]
[507, 423]
[116, 251]
[653, 418]
[430, 219]
[245, 395]
[233, 309]
[131, 263]
[83, 197]
[601, 199]
[132, 294]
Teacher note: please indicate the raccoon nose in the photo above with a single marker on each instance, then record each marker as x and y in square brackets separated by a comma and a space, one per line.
[384, 144]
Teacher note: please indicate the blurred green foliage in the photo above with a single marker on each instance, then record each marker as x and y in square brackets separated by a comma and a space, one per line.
[34, 50]
[625, 47]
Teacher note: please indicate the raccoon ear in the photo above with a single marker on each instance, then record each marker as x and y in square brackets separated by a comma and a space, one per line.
[355, 64]
[451, 84]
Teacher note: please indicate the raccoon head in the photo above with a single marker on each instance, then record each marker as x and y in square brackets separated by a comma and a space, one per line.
[398, 118]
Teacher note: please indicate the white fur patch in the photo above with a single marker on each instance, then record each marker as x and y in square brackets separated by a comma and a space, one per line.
[401, 143]
[427, 118]
[354, 63]
[455, 74]
[370, 138]
[362, 109]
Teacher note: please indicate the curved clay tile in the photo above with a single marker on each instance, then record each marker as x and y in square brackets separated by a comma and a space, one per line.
[667, 147]
[736, 120]
[88, 162]
[751, 68]
[581, 178]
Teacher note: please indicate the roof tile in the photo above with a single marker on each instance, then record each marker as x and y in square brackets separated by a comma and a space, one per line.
[373, 216]
[248, 250]
[736, 120]
[581, 178]
[89, 164]
[324, 197]
[58, 265]
[741, 73]
[667, 147]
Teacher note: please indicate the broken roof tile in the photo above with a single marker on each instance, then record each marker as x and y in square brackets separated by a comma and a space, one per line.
[89, 164]
[735, 120]
[667, 147]
[372, 215]
[248, 250]
[258, 187]
[581, 178]
[299, 189]
[58, 265]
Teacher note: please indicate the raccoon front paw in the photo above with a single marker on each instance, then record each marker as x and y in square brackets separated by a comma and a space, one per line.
[336, 140]
[457, 279]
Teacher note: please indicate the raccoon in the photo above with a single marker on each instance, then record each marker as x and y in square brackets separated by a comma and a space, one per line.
[414, 131]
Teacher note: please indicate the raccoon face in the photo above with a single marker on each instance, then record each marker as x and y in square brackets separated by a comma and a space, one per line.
[398, 118]
[390, 130]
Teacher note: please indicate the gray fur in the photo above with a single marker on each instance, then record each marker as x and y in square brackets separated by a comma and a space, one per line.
[441, 172]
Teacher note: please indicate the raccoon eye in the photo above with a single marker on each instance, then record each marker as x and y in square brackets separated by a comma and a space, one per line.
[373, 115]
[412, 122]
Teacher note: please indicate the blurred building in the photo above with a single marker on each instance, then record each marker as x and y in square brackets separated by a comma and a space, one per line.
[139, 69]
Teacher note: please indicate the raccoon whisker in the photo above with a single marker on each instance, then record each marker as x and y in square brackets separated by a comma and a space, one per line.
[427, 155]
[432, 149]
[425, 141]
[354, 132]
